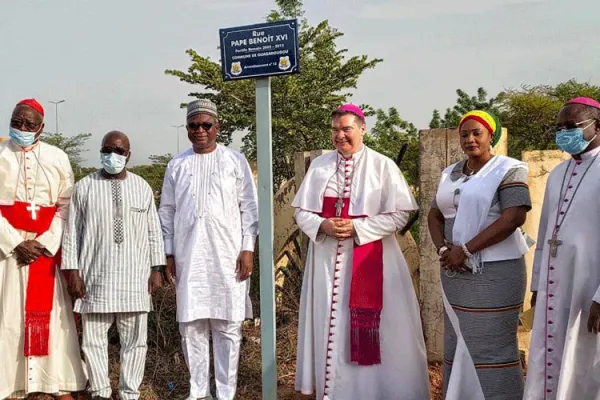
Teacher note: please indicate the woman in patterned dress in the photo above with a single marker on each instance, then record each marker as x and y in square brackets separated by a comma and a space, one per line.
[475, 223]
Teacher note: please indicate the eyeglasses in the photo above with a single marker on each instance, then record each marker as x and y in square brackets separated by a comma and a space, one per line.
[116, 150]
[194, 126]
[575, 125]
[29, 125]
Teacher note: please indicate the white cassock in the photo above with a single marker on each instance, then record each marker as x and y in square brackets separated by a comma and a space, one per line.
[377, 190]
[564, 358]
[42, 174]
[209, 213]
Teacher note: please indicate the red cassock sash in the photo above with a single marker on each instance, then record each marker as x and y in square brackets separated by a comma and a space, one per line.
[40, 285]
[366, 293]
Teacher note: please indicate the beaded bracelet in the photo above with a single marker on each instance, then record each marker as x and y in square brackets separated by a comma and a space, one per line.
[466, 251]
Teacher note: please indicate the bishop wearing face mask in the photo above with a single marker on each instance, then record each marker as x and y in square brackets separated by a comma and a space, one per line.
[39, 351]
[565, 348]
[113, 252]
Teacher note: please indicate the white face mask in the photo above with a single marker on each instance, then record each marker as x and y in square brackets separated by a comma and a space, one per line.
[22, 138]
[113, 163]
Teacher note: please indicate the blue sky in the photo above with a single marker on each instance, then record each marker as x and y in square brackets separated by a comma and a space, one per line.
[106, 58]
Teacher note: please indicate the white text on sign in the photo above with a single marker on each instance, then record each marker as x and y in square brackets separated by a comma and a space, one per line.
[259, 37]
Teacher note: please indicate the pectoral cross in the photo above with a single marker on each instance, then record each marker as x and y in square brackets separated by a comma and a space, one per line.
[554, 243]
[339, 205]
[33, 208]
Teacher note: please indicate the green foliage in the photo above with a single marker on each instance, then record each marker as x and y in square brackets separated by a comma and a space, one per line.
[74, 146]
[529, 113]
[153, 174]
[388, 135]
[464, 104]
[82, 172]
[162, 159]
[301, 104]
[287, 9]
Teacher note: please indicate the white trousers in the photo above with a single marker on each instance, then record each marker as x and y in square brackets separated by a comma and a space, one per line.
[226, 338]
[133, 334]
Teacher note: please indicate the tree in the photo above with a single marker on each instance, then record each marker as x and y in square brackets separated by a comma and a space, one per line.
[74, 146]
[464, 104]
[301, 104]
[82, 172]
[389, 134]
[162, 159]
[529, 113]
[153, 174]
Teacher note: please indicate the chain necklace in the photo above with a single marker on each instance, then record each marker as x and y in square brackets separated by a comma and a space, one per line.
[554, 242]
[474, 171]
[341, 163]
[470, 169]
[33, 208]
[22, 175]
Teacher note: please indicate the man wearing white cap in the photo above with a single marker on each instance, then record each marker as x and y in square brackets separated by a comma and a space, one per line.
[209, 217]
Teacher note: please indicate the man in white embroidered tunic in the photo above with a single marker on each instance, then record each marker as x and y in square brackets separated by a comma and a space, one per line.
[359, 334]
[39, 351]
[564, 357]
[114, 253]
[209, 216]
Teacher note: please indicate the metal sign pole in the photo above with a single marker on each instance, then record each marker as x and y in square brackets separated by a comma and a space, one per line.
[265, 234]
[258, 52]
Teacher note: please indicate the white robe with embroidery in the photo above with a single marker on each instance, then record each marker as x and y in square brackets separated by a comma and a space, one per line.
[564, 358]
[209, 213]
[379, 191]
[61, 370]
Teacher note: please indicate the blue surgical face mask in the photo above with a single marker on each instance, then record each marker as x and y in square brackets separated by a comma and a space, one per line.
[572, 140]
[22, 138]
[113, 163]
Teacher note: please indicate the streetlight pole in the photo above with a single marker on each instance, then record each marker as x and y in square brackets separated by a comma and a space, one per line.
[177, 126]
[56, 103]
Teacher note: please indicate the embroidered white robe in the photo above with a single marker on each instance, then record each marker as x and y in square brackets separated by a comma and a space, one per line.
[50, 184]
[209, 213]
[378, 190]
[564, 358]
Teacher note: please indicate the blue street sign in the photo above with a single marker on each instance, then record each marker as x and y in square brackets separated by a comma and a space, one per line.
[260, 50]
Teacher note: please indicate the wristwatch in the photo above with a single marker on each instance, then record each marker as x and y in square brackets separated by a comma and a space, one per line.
[442, 250]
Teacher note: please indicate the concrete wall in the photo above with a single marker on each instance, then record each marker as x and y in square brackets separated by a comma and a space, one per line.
[541, 163]
[439, 148]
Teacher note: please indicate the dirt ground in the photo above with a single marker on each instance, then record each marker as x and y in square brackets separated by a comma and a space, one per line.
[166, 376]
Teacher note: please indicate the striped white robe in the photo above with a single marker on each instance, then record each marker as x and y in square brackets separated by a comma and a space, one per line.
[113, 237]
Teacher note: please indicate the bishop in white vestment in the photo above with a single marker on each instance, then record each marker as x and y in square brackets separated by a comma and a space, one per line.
[359, 334]
[564, 357]
[209, 215]
[39, 351]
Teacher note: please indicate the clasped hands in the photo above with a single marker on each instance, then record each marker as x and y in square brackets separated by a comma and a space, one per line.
[454, 259]
[28, 251]
[338, 228]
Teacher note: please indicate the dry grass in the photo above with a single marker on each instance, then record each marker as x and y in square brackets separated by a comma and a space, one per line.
[166, 375]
